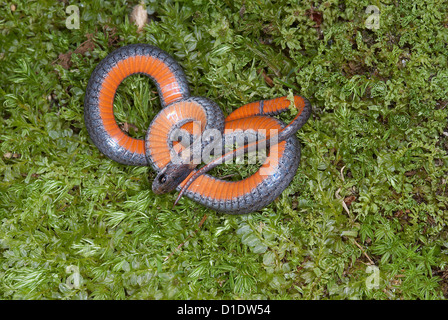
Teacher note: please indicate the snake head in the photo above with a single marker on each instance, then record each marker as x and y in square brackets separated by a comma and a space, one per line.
[170, 177]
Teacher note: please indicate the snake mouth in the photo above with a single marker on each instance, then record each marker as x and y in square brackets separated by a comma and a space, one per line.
[170, 177]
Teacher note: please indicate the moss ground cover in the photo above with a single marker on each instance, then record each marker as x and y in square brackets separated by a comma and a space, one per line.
[365, 217]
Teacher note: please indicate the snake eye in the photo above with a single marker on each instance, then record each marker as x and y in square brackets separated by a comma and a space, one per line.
[162, 178]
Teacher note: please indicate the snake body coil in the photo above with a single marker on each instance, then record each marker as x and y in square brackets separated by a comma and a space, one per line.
[182, 111]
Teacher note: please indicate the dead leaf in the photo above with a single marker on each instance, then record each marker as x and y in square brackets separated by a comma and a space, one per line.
[139, 16]
[267, 79]
[348, 200]
[64, 59]
[13, 155]
[87, 45]
[316, 16]
[126, 126]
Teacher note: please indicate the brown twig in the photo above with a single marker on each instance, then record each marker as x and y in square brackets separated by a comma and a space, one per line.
[362, 250]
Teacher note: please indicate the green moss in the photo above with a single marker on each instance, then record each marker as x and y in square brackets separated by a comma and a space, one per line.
[371, 186]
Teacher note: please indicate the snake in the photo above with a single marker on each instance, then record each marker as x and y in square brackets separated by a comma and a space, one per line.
[182, 112]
